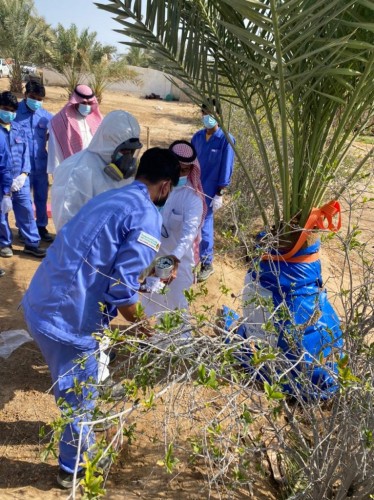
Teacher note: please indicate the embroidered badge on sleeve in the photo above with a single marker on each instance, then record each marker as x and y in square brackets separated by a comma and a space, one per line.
[149, 241]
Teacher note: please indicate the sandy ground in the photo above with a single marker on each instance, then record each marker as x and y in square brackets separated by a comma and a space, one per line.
[26, 405]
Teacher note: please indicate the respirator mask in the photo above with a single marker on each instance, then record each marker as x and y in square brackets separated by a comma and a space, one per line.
[124, 160]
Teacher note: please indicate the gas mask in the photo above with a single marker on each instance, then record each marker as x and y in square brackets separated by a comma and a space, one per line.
[124, 164]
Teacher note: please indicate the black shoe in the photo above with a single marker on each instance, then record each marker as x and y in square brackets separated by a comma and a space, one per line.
[21, 237]
[6, 252]
[35, 251]
[45, 235]
[66, 479]
[205, 272]
[2, 272]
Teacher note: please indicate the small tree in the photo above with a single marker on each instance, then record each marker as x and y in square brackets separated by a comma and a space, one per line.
[103, 73]
[77, 53]
[137, 57]
[299, 68]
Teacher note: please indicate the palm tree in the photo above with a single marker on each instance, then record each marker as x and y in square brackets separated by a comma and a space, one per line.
[137, 57]
[76, 53]
[292, 65]
[23, 36]
[102, 74]
[301, 71]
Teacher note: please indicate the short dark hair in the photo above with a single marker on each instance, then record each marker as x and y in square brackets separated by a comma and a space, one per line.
[37, 88]
[159, 164]
[212, 105]
[8, 99]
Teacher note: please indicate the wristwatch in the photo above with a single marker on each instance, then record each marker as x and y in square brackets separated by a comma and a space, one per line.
[220, 192]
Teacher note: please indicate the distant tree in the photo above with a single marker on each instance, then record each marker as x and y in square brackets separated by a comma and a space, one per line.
[23, 36]
[105, 72]
[138, 57]
[76, 54]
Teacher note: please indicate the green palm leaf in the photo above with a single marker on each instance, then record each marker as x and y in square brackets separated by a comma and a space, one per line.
[291, 65]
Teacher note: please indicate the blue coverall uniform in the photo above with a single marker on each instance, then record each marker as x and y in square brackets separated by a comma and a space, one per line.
[216, 158]
[110, 241]
[6, 177]
[14, 147]
[35, 125]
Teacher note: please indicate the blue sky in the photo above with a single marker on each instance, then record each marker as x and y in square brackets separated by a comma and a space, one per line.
[85, 15]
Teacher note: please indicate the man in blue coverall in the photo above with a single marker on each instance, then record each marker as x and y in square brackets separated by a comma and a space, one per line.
[13, 143]
[97, 257]
[216, 158]
[6, 180]
[34, 120]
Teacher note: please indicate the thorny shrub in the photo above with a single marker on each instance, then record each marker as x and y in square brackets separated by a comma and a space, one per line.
[220, 407]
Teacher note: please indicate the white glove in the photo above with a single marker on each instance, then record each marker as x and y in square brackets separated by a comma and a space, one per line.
[217, 202]
[6, 204]
[18, 182]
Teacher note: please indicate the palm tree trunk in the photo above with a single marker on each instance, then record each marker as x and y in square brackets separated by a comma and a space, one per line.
[16, 79]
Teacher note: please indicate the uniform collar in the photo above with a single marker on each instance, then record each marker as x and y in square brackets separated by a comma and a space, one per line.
[22, 108]
[141, 186]
[4, 129]
[217, 133]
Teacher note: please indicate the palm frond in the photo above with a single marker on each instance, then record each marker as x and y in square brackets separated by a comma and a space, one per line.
[294, 66]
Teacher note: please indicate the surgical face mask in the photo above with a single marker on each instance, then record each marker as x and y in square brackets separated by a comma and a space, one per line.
[161, 201]
[209, 121]
[182, 181]
[7, 116]
[33, 104]
[84, 109]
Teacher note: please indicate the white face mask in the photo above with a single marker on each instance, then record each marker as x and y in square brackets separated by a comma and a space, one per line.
[209, 121]
[84, 109]
[182, 181]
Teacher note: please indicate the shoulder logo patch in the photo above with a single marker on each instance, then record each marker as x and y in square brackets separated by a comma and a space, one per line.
[149, 241]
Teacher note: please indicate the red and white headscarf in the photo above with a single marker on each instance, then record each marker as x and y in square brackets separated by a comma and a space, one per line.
[186, 153]
[65, 126]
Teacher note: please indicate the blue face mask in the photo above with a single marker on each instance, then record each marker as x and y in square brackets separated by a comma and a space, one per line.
[7, 116]
[33, 104]
[182, 181]
[84, 109]
[209, 121]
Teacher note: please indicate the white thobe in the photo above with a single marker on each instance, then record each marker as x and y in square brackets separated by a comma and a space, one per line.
[55, 155]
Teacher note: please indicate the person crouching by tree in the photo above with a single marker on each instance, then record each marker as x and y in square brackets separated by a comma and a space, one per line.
[216, 158]
[110, 241]
[14, 149]
[34, 121]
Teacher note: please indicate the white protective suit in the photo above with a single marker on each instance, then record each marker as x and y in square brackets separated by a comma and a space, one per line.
[81, 176]
[181, 220]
